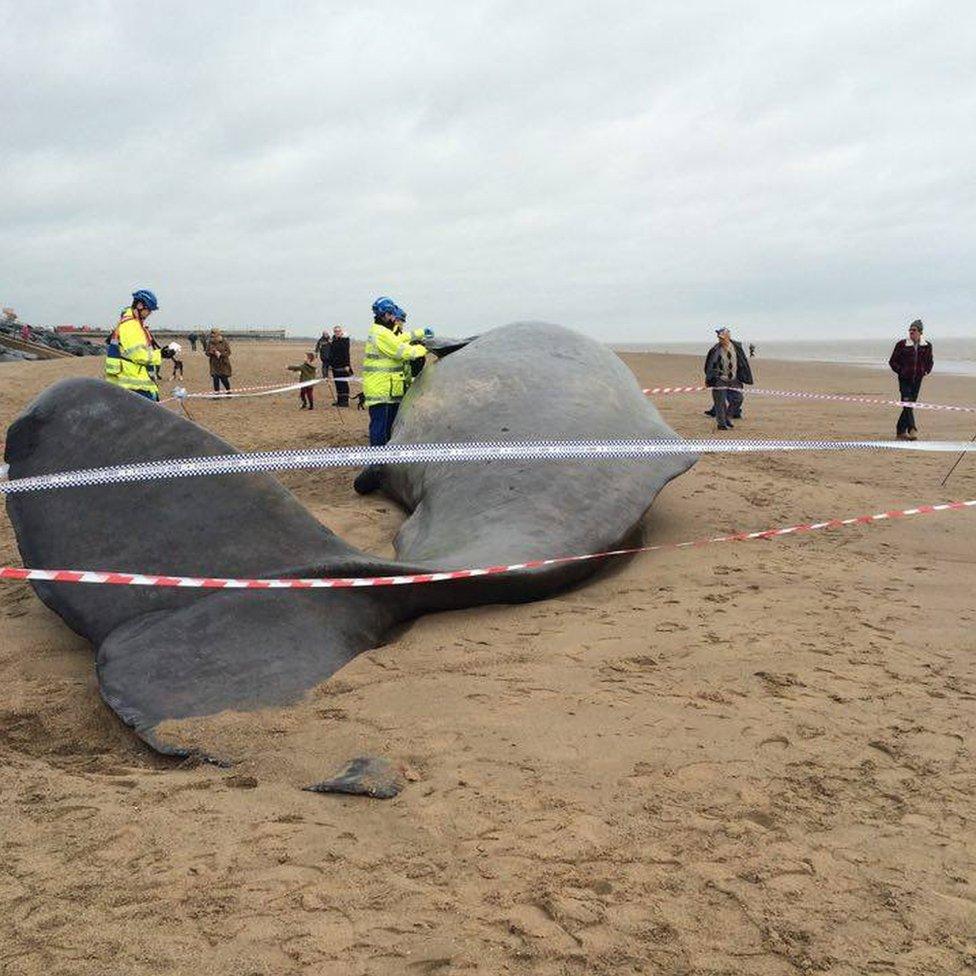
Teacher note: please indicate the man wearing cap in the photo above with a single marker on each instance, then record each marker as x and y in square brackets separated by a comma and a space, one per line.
[911, 361]
[726, 369]
[323, 346]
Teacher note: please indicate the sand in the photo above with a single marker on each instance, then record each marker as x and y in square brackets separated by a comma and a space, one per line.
[748, 759]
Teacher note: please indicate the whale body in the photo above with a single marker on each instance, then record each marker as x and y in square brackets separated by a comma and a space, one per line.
[169, 653]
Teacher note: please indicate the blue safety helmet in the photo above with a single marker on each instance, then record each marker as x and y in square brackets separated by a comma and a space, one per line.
[400, 315]
[383, 305]
[146, 297]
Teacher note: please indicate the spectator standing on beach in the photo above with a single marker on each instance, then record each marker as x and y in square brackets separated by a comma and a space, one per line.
[306, 373]
[752, 349]
[911, 361]
[340, 364]
[322, 351]
[726, 366]
[218, 351]
[193, 341]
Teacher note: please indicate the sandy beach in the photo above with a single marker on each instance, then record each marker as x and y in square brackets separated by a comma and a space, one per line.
[750, 758]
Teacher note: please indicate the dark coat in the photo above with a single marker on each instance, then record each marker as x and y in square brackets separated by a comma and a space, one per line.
[323, 348]
[339, 356]
[743, 371]
[219, 364]
[911, 362]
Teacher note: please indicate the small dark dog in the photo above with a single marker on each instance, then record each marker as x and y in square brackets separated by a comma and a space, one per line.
[361, 400]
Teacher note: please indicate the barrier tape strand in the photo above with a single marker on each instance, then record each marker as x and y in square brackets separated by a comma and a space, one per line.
[445, 453]
[228, 583]
[251, 391]
[274, 390]
[802, 395]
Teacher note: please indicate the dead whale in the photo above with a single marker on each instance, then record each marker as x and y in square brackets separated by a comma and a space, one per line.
[170, 653]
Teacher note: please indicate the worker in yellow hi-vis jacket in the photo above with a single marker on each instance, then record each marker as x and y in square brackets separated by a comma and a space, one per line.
[134, 356]
[386, 366]
[389, 355]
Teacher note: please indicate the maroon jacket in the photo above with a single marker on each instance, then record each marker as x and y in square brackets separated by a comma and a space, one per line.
[911, 362]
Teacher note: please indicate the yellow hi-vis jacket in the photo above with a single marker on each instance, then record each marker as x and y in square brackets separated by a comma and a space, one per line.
[131, 353]
[386, 363]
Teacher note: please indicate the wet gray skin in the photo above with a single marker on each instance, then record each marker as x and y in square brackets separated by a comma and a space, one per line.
[175, 653]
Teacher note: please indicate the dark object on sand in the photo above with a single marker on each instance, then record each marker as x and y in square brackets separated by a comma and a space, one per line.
[365, 776]
[38, 339]
[171, 653]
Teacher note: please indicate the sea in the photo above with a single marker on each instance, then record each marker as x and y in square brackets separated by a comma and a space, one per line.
[952, 355]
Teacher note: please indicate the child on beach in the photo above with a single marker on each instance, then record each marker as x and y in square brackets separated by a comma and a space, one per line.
[306, 372]
[177, 350]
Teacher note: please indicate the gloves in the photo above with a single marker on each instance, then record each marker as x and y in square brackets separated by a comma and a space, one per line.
[428, 333]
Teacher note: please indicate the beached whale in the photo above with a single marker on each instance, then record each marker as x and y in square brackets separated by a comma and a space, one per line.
[174, 653]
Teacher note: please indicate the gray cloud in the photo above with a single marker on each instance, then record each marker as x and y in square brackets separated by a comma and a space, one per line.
[633, 169]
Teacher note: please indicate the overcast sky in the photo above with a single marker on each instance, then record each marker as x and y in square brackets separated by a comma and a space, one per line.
[637, 170]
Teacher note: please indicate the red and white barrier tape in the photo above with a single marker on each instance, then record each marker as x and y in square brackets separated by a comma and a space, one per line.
[274, 390]
[179, 393]
[800, 395]
[253, 389]
[311, 583]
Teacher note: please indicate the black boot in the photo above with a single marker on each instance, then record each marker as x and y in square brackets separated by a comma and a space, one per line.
[368, 480]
